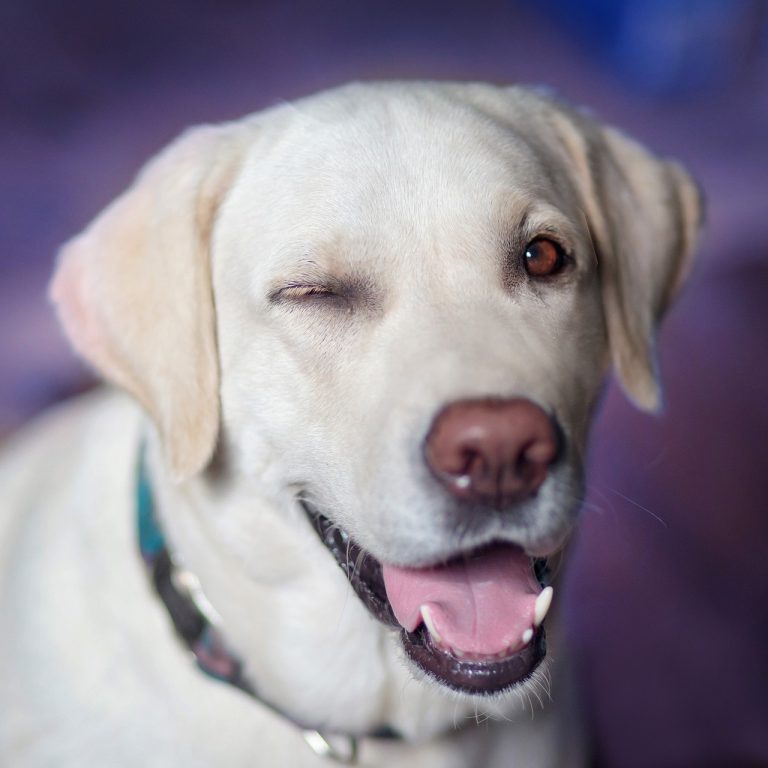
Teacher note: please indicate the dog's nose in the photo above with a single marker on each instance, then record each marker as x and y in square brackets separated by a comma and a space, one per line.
[494, 452]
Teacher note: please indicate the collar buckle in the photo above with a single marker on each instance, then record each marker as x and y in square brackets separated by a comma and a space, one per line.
[322, 747]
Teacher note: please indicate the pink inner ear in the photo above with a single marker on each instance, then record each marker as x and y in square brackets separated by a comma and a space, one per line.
[67, 293]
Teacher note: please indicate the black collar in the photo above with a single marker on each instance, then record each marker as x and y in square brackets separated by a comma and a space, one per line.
[197, 625]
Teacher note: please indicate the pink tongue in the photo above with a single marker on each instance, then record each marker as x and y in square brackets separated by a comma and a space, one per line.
[481, 605]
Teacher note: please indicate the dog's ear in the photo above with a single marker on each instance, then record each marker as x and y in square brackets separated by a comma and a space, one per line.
[643, 214]
[133, 291]
[651, 212]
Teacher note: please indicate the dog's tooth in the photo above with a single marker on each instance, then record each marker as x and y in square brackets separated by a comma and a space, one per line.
[527, 636]
[463, 482]
[434, 634]
[543, 601]
[458, 653]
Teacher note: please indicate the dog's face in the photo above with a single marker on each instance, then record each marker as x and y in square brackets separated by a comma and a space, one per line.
[385, 279]
[417, 292]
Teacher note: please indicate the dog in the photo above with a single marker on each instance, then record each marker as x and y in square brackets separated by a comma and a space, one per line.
[356, 344]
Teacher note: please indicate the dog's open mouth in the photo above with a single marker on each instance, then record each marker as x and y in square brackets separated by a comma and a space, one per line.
[473, 623]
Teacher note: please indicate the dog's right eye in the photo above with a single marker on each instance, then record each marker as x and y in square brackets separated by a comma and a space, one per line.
[304, 292]
[311, 296]
[329, 292]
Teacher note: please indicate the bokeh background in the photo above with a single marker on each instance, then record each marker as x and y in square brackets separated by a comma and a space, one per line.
[667, 607]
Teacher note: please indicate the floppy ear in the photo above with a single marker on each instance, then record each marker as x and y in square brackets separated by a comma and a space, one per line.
[644, 215]
[651, 213]
[133, 291]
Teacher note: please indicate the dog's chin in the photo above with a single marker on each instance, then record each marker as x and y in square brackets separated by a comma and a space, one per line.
[490, 676]
[479, 676]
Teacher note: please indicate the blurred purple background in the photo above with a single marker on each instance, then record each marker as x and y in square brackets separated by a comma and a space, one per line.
[668, 602]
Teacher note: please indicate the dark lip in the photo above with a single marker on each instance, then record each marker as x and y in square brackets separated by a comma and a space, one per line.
[482, 678]
[473, 677]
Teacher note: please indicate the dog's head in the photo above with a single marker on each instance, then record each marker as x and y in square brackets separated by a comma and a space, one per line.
[385, 312]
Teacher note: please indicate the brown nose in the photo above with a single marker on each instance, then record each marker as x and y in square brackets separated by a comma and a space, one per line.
[493, 452]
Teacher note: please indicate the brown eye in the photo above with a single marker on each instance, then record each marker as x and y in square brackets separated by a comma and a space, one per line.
[543, 257]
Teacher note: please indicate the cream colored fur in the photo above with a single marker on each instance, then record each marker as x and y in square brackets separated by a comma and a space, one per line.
[420, 196]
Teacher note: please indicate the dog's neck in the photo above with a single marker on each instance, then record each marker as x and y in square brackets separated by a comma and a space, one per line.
[197, 624]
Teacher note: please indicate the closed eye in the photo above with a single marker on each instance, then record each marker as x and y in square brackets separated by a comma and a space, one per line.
[314, 296]
[304, 292]
[332, 292]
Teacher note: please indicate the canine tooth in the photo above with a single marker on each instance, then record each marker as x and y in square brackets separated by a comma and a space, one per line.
[543, 601]
[434, 634]
[527, 636]
[458, 653]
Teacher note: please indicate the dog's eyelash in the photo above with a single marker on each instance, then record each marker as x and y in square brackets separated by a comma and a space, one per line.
[346, 297]
[303, 292]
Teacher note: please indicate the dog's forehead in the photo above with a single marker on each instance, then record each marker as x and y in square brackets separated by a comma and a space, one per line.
[394, 165]
[409, 147]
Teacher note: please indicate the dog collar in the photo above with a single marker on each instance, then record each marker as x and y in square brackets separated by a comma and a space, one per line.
[196, 624]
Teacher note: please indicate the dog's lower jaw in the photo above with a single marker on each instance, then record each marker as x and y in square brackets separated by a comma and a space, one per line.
[421, 708]
[305, 640]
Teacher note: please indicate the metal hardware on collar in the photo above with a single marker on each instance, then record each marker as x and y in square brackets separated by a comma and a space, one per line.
[322, 747]
[188, 584]
[194, 618]
[197, 624]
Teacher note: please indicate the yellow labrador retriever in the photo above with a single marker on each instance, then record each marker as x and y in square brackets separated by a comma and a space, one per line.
[362, 337]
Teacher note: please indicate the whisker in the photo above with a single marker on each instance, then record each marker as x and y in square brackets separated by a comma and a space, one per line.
[638, 505]
[535, 693]
[360, 560]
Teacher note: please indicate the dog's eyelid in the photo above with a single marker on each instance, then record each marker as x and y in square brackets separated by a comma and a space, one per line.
[553, 233]
[548, 223]
[333, 290]
[298, 290]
